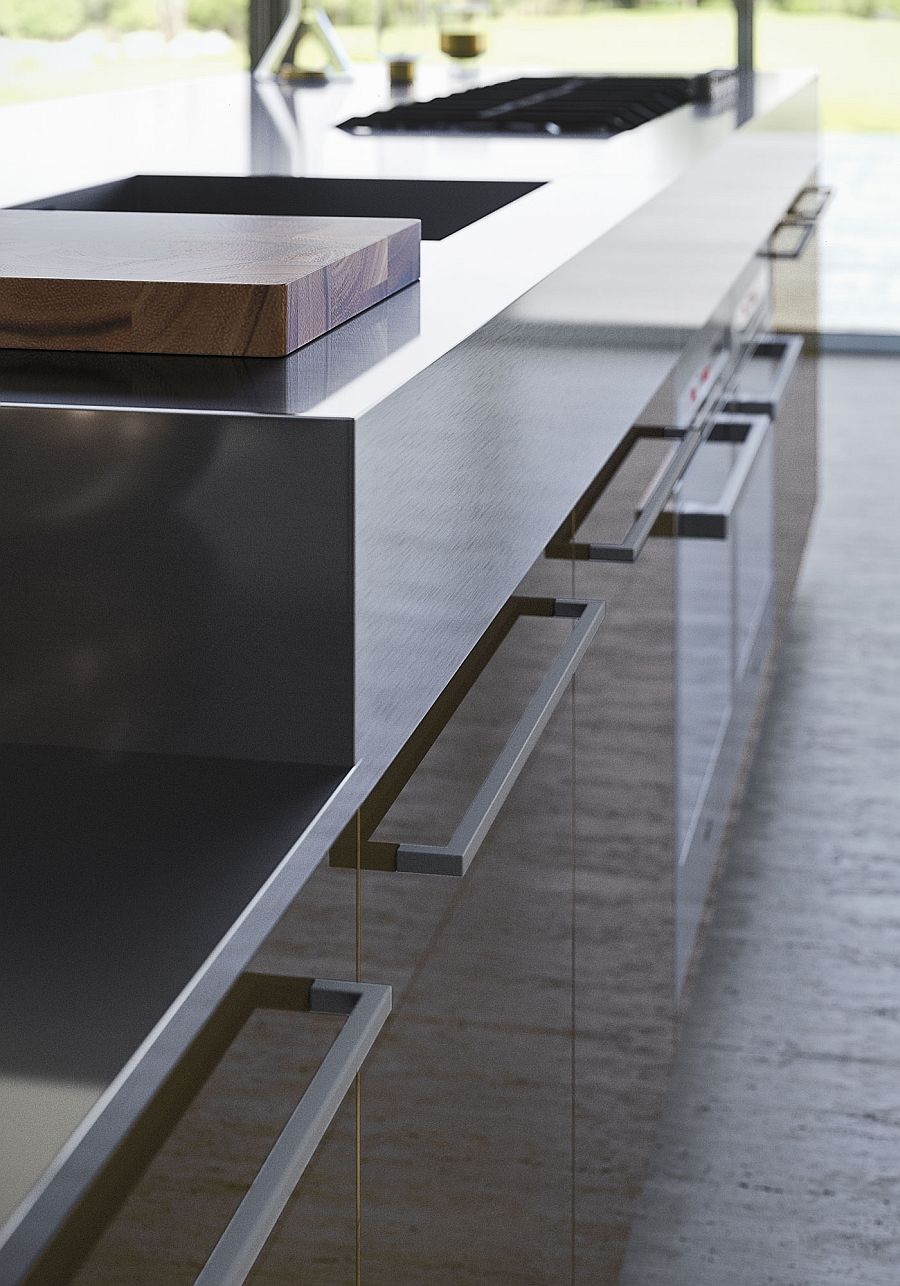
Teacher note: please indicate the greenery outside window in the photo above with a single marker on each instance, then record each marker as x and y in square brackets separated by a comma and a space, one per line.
[54, 47]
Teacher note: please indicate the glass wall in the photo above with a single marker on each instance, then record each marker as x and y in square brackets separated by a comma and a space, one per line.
[50, 48]
[53, 47]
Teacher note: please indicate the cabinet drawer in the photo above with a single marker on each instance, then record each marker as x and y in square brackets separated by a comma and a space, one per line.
[467, 1104]
[781, 381]
[724, 521]
[624, 909]
[244, 1164]
[624, 1012]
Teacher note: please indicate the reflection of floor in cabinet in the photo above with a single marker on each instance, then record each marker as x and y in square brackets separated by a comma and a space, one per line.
[778, 1155]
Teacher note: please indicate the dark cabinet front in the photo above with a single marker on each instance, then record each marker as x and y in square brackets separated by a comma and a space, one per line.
[781, 380]
[509, 1110]
[245, 1168]
[623, 1000]
[723, 518]
[466, 1145]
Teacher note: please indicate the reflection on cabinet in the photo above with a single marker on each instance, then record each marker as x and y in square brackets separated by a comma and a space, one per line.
[624, 1004]
[510, 1108]
[793, 367]
[467, 1103]
[781, 381]
[735, 584]
[724, 544]
[796, 475]
[260, 1066]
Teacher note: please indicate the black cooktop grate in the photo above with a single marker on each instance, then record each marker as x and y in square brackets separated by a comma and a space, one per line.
[554, 105]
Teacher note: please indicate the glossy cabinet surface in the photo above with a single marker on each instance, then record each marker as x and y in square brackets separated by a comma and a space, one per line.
[506, 1117]
[705, 642]
[624, 1004]
[182, 1199]
[795, 312]
[467, 1101]
[753, 551]
[724, 524]
[509, 1113]
[795, 447]
[734, 595]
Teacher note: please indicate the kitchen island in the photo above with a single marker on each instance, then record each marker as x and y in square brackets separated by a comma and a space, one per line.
[483, 402]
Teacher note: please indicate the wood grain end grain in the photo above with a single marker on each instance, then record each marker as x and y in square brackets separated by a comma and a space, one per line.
[205, 285]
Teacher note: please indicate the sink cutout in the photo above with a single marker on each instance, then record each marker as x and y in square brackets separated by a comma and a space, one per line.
[444, 206]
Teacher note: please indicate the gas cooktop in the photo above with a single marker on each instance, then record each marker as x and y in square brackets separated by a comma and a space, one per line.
[554, 105]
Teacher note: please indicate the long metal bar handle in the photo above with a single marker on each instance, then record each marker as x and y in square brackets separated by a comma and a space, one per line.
[457, 855]
[821, 196]
[629, 549]
[786, 349]
[367, 1006]
[805, 229]
[713, 522]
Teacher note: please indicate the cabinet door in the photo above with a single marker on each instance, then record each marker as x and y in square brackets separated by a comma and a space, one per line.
[624, 870]
[781, 381]
[263, 1063]
[796, 473]
[705, 656]
[795, 294]
[724, 636]
[467, 1103]
[795, 276]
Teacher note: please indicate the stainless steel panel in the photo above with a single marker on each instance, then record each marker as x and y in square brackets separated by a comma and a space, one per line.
[467, 1100]
[624, 910]
[754, 555]
[624, 831]
[725, 569]
[781, 380]
[705, 663]
[146, 606]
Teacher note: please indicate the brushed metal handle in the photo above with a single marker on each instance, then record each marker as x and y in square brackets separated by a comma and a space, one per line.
[455, 857]
[811, 202]
[713, 522]
[804, 228]
[786, 349]
[367, 1006]
[183, 1072]
[629, 549]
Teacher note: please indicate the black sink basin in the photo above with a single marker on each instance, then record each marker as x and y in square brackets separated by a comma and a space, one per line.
[443, 205]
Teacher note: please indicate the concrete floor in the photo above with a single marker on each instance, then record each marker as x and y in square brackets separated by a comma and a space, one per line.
[779, 1160]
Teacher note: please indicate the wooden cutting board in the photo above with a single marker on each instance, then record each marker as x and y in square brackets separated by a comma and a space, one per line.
[222, 285]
